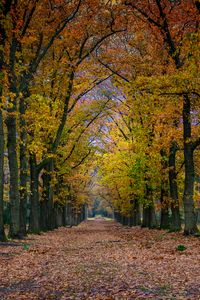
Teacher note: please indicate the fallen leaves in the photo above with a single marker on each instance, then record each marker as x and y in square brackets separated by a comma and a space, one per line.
[101, 260]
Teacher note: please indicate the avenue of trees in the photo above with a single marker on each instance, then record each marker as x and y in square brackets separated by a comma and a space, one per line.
[99, 99]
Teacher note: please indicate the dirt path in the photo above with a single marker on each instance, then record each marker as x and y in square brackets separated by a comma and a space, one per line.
[101, 260]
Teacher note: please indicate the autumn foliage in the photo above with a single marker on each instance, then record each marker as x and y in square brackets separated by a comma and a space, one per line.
[99, 100]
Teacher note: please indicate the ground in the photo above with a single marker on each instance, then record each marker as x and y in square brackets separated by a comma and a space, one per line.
[101, 260]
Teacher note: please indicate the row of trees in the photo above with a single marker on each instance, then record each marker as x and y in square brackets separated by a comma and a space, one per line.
[151, 161]
[47, 73]
[69, 67]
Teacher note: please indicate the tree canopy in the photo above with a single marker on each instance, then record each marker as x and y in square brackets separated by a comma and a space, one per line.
[99, 104]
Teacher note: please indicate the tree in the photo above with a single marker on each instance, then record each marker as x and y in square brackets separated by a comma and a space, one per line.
[161, 17]
[20, 70]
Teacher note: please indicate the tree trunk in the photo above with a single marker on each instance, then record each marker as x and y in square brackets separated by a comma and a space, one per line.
[49, 195]
[34, 226]
[5, 9]
[73, 217]
[125, 220]
[131, 212]
[23, 169]
[82, 212]
[136, 213]
[120, 218]
[79, 216]
[43, 215]
[13, 167]
[117, 216]
[149, 215]
[64, 215]
[54, 217]
[152, 219]
[188, 201]
[2, 232]
[43, 203]
[145, 217]
[68, 214]
[131, 219]
[58, 215]
[164, 221]
[175, 224]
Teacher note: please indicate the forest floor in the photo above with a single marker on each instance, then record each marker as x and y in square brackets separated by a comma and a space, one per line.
[100, 260]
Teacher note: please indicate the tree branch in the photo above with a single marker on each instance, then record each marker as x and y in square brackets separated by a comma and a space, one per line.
[195, 144]
[38, 57]
[87, 91]
[65, 113]
[28, 18]
[91, 50]
[113, 71]
[83, 130]
[82, 160]
[144, 14]
[120, 129]
[79, 137]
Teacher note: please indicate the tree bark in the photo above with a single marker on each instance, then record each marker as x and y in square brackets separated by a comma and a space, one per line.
[34, 226]
[44, 203]
[136, 213]
[68, 214]
[149, 215]
[73, 217]
[164, 221]
[188, 201]
[64, 215]
[14, 178]
[43, 215]
[118, 217]
[6, 9]
[58, 215]
[2, 232]
[175, 224]
[49, 195]
[23, 168]
[125, 220]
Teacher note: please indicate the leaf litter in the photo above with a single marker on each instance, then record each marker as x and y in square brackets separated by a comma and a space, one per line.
[101, 260]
